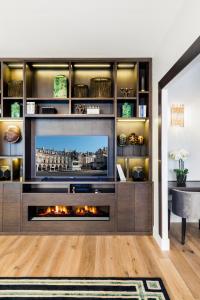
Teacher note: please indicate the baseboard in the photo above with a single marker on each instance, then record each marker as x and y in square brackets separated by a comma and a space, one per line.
[164, 244]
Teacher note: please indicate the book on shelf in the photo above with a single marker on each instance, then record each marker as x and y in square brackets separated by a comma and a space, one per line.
[121, 173]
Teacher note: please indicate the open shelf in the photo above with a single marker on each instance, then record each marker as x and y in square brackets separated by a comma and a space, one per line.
[40, 78]
[11, 168]
[126, 104]
[127, 79]
[6, 148]
[59, 106]
[129, 163]
[13, 79]
[9, 107]
[105, 106]
[83, 73]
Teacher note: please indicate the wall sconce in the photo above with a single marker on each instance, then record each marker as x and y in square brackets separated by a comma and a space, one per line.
[177, 115]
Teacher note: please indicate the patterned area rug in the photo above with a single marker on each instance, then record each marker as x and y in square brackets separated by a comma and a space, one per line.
[58, 288]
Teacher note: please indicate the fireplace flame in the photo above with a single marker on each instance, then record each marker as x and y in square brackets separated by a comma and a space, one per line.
[61, 210]
[83, 210]
[56, 210]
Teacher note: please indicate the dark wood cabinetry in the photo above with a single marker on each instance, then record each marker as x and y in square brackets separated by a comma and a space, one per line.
[11, 207]
[125, 207]
[124, 116]
[134, 204]
[143, 207]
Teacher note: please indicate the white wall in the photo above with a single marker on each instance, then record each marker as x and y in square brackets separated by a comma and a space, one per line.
[185, 89]
[84, 28]
[184, 31]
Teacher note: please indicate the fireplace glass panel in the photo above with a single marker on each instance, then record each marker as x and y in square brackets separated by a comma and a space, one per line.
[68, 213]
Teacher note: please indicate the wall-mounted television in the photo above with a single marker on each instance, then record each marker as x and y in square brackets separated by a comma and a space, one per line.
[71, 156]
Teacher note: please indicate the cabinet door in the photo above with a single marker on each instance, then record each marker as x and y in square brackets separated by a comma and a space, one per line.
[1, 201]
[125, 207]
[11, 207]
[143, 207]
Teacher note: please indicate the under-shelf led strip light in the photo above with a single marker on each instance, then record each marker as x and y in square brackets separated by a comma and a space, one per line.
[132, 120]
[50, 65]
[15, 66]
[126, 66]
[92, 65]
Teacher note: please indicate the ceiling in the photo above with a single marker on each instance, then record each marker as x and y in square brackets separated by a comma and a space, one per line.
[89, 28]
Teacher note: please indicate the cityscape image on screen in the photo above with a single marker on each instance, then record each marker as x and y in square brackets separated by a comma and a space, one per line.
[71, 155]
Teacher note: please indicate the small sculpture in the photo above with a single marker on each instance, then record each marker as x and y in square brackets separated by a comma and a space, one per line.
[122, 140]
[126, 91]
[133, 139]
[140, 140]
[12, 134]
[80, 109]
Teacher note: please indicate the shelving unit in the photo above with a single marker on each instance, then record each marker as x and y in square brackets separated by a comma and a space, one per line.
[38, 76]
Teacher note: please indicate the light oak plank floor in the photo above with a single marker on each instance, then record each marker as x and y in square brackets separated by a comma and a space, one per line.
[129, 256]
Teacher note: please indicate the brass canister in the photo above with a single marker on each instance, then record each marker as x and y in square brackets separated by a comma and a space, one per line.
[15, 88]
[101, 87]
[80, 90]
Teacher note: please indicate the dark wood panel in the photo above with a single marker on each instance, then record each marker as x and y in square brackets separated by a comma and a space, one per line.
[125, 207]
[11, 207]
[143, 207]
[68, 199]
[70, 127]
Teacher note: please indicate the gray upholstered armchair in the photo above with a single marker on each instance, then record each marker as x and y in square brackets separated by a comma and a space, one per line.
[186, 204]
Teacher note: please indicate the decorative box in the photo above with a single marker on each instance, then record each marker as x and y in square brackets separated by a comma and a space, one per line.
[142, 111]
[93, 110]
[48, 110]
[31, 108]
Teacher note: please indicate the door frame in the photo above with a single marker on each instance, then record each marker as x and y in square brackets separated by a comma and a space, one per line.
[191, 53]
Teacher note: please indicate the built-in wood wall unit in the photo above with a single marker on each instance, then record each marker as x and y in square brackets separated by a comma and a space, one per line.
[128, 204]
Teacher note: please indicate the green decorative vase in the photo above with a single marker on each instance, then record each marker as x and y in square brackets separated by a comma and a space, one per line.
[60, 86]
[126, 110]
[15, 110]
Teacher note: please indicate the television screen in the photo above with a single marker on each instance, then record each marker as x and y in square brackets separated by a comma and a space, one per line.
[71, 156]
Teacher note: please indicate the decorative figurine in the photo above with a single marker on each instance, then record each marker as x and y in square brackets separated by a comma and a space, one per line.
[140, 140]
[80, 109]
[133, 139]
[126, 110]
[126, 91]
[122, 139]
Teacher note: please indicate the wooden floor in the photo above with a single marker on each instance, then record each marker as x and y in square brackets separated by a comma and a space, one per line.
[107, 256]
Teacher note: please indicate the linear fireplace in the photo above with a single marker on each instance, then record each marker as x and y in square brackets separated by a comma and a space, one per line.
[68, 213]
